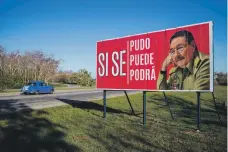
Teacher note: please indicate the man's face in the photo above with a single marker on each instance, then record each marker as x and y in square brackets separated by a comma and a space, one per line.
[183, 53]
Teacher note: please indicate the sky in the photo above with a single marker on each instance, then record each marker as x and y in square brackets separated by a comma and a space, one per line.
[69, 29]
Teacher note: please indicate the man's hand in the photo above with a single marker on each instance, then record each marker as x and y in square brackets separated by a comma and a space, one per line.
[166, 63]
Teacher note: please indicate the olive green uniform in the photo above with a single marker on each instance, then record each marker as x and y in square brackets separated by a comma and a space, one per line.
[195, 76]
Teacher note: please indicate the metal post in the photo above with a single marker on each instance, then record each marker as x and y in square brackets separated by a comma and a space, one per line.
[132, 110]
[214, 99]
[104, 102]
[144, 107]
[198, 111]
[166, 100]
[167, 103]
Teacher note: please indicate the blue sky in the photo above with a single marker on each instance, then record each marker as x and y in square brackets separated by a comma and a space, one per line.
[70, 29]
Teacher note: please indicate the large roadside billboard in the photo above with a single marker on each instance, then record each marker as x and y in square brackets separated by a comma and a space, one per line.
[177, 59]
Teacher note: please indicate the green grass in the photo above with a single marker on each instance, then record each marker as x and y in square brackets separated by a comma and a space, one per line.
[58, 85]
[66, 88]
[10, 91]
[80, 126]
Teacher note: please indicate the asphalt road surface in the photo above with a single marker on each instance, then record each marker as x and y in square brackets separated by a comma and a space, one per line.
[15, 102]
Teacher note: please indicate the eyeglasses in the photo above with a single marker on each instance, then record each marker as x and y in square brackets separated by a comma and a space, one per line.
[180, 48]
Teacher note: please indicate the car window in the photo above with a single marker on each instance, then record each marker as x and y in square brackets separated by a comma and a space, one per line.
[45, 84]
[31, 84]
[41, 84]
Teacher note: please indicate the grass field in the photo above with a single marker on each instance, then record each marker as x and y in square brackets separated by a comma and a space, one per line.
[80, 126]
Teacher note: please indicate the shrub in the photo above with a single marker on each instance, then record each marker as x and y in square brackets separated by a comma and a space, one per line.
[221, 78]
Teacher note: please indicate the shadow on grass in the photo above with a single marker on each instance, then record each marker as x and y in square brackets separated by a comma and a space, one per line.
[182, 108]
[20, 131]
[87, 105]
[125, 136]
[164, 135]
[122, 139]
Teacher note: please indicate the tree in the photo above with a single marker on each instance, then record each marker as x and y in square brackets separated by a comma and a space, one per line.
[3, 72]
[84, 77]
[74, 78]
[17, 68]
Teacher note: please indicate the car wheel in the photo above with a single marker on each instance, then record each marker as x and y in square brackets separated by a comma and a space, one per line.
[52, 91]
[37, 92]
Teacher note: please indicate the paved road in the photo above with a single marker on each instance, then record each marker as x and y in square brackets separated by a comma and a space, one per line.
[10, 94]
[17, 102]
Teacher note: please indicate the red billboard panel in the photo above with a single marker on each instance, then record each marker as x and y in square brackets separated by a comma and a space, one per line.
[179, 59]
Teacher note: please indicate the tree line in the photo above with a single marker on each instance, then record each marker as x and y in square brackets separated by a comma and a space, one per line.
[17, 69]
[82, 77]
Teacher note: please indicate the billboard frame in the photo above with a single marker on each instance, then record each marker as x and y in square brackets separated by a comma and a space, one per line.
[211, 56]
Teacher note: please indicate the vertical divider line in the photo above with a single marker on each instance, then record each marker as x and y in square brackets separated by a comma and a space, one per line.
[128, 63]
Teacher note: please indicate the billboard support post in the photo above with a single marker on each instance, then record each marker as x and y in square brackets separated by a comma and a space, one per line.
[132, 110]
[104, 102]
[214, 100]
[167, 103]
[144, 107]
[198, 111]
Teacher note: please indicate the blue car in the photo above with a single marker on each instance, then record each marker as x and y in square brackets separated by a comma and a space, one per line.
[37, 87]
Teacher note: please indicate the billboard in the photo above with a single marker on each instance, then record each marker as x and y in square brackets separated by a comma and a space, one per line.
[177, 59]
